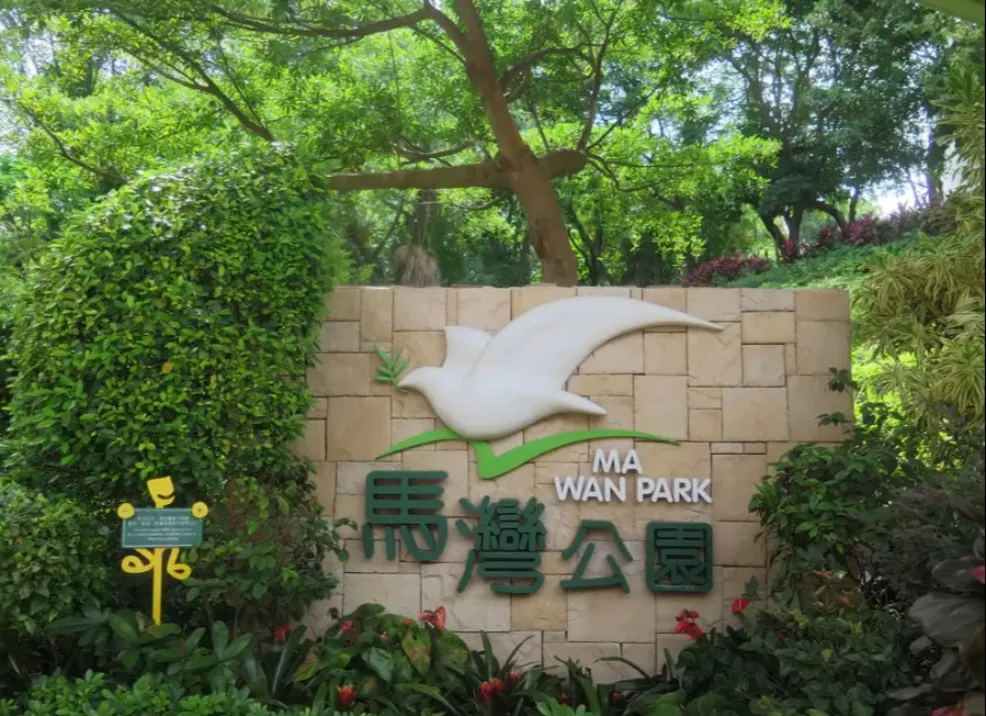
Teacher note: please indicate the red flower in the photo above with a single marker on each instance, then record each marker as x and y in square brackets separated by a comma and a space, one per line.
[489, 689]
[615, 697]
[384, 638]
[739, 605]
[345, 696]
[690, 628]
[406, 622]
[979, 573]
[281, 633]
[346, 626]
[435, 618]
[511, 679]
[686, 614]
[565, 699]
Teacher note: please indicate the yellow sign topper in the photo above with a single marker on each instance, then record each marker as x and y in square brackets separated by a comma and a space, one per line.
[152, 531]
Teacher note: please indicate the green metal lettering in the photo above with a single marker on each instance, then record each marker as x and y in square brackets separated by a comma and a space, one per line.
[506, 545]
[406, 502]
[679, 557]
[579, 580]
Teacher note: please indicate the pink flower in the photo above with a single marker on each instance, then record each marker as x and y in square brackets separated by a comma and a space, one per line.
[979, 573]
[435, 618]
[281, 633]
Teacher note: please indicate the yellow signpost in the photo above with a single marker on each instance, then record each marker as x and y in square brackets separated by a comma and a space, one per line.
[153, 531]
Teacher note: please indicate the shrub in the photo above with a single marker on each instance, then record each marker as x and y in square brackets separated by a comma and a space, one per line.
[953, 618]
[924, 311]
[149, 696]
[167, 332]
[725, 268]
[51, 550]
[785, 660]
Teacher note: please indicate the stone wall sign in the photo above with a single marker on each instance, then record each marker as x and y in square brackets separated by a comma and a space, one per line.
[570, 467]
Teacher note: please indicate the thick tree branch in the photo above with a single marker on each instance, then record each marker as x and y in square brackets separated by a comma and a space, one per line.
[448, 26]
[489, 175]
[834, 212]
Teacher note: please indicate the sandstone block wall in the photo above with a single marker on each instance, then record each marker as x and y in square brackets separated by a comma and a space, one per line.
[736, 400]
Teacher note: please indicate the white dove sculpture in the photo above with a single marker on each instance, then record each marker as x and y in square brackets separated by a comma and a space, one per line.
[492, 386]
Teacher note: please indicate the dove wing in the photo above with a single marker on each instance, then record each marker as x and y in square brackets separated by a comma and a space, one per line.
[545, 345]
[463, 345]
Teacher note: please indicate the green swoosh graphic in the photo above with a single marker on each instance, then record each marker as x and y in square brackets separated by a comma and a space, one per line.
[492, 466]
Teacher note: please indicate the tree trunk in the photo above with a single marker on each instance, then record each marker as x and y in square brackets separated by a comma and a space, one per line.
[545, 223]
[525, 175]
[794, 222]
[775, 232]
[934, 166]
[834, 212]
[853, 204]
[415, 264]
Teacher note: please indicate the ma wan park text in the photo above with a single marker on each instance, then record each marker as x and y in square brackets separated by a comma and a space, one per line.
[508, 537]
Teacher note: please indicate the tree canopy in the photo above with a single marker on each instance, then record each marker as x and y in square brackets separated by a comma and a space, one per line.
[620, 140]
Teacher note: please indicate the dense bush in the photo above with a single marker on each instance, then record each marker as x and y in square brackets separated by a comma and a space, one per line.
[953, 619]
[50, 549]
[870, 510]
[168, 332]
[149, 696]
[724, 269]
[924, 311]
[824, 657]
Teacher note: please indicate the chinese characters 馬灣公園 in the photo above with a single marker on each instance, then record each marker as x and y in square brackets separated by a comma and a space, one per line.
[508, 538]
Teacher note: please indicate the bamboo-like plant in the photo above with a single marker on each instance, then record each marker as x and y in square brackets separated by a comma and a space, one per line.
[923, 311]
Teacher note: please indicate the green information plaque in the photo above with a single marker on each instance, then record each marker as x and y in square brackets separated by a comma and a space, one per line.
[161, 527]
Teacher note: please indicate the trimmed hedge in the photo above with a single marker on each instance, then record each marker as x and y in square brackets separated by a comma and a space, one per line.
[167, 332]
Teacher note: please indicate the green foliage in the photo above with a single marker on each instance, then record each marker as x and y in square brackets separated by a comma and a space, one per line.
[553, 708]
[126, 645]
[260, 562]
[156, 335]
[51, 549]
[953, 619]
[9, 284]
[923, 311]
[786, 661]
[390, 661]
[867, 511]
[94, 695]
[168, 332]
